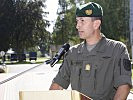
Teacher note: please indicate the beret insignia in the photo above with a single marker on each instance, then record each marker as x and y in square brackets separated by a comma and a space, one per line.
[88, 12]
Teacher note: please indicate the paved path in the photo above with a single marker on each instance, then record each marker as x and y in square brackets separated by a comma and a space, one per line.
[38, 79]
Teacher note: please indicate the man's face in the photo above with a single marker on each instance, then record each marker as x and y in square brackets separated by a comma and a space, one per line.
[85, 27]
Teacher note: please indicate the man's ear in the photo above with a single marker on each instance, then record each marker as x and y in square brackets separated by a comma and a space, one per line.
[97, 24]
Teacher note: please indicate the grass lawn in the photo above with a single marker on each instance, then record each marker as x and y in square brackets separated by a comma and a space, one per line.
[38, 61]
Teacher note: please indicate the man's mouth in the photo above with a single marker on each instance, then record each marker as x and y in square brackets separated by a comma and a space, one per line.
[80, 32]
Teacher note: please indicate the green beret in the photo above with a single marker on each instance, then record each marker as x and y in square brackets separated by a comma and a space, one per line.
[90, 9]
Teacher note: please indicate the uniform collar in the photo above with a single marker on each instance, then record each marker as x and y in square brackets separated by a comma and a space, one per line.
[100, 47]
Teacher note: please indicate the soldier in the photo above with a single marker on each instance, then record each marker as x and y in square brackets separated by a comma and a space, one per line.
[98, 67]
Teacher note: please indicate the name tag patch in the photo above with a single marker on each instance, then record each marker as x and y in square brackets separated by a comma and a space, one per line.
[79, 63]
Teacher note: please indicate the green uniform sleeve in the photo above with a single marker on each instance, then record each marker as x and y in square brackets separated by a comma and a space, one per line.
[122, 72]
[63, 76]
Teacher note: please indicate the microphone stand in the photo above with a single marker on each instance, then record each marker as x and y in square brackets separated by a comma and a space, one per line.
[15, 76]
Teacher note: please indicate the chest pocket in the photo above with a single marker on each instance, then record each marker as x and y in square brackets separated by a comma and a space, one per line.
[79, 69]
[102, 59]
[93, 79]
[76, 70]
[89, 75]
[103, 74]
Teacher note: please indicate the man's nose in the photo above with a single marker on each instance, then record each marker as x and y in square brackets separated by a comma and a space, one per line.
[78, 25]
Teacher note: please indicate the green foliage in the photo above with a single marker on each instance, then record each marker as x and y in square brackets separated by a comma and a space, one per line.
[58, 32]
[64, 30]
[29, 25]
[6, 13]
[22, 25]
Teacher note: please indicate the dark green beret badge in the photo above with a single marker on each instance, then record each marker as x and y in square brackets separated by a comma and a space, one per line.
[88, 12]
[90, 9]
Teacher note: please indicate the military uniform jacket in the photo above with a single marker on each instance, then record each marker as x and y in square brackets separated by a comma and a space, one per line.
[97, 73]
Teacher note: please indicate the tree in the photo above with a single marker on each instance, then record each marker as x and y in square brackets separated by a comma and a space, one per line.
[22, 25]
[29, 25]
[6, 9]
[65, 28]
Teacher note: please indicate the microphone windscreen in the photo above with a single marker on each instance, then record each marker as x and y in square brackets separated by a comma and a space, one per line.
[66, 46]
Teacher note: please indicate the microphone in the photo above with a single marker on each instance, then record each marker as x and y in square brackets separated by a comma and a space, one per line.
[58, 56]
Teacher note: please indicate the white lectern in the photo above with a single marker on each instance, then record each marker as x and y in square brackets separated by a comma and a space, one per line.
[52, 95]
